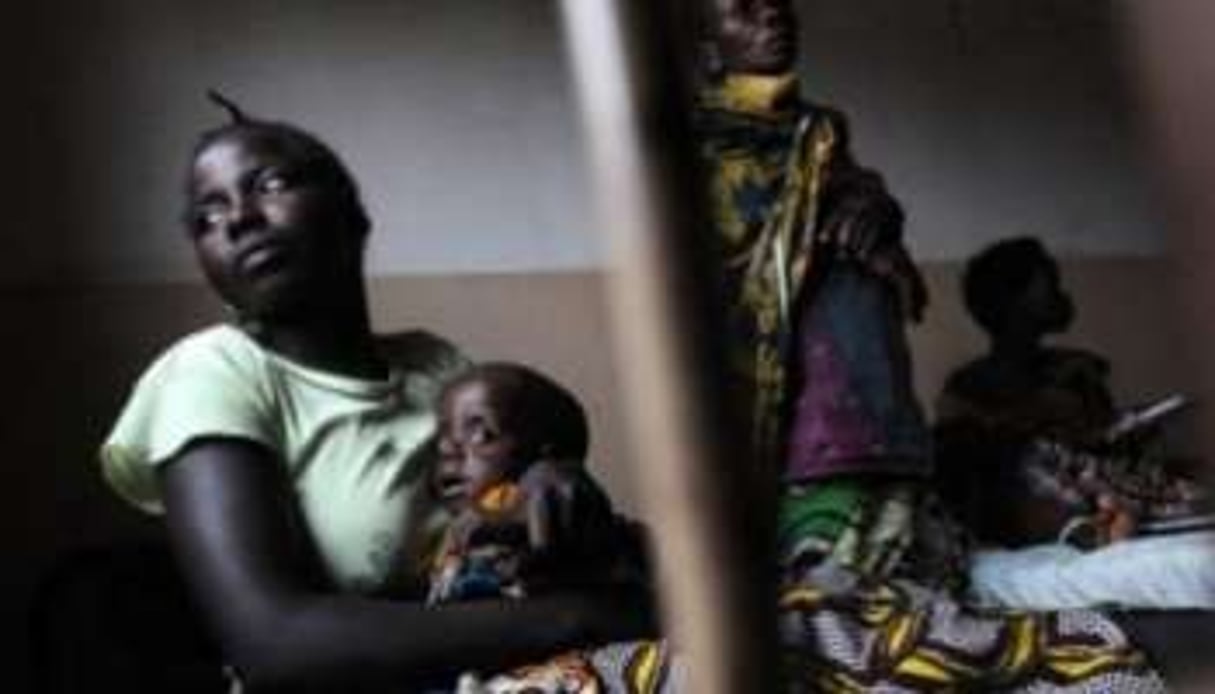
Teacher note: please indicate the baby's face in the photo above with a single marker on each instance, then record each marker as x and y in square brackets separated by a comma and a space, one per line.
[477, 447]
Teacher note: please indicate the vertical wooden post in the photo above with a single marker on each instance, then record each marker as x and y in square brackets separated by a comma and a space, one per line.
[1175, 64]
[1174, 59]
[711, 514]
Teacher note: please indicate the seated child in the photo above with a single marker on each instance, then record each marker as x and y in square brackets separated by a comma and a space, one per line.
[497, 423]
[1068, 494]
[1031, 447]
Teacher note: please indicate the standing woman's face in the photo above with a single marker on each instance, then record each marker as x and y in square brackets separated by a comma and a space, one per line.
[757, 36]
[269, 231]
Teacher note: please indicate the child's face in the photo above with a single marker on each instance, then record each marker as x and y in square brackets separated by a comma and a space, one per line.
[757, 36]
[478, 447]
[1044, 305]
[265, 230]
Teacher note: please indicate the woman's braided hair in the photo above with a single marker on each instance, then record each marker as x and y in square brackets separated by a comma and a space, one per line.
[302, 146]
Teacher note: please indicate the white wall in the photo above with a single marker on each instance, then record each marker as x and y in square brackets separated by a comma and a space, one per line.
[455, 116]
[989, 118]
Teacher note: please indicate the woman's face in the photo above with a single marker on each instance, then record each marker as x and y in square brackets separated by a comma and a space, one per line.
[268, 231]
[757, 36]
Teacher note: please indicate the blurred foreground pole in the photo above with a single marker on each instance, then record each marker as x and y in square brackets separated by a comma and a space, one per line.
[1175, 66]
[712, 515]
[1174, 61]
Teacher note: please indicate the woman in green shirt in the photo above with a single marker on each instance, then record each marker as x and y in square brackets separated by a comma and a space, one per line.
[289, 451]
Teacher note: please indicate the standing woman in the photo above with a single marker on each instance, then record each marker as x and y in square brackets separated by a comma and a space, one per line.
[818, 285]
[290, 449]
[815, 273]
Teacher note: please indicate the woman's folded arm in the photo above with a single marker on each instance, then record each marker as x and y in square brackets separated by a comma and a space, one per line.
[239, 536]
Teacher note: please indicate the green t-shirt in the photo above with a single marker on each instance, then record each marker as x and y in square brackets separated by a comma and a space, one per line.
[358, 452]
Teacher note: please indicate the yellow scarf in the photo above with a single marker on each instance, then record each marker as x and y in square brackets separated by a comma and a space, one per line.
[771, 96]
[767, 249]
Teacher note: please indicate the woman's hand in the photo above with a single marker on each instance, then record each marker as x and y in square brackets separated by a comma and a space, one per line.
[856, 240]
[862, 222]
[895, 266]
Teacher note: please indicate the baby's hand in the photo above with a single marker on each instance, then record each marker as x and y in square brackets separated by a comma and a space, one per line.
[463, 528]
[560, 502]
[493, 518]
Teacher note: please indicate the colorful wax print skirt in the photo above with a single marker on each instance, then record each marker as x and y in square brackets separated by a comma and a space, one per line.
[883, 636]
